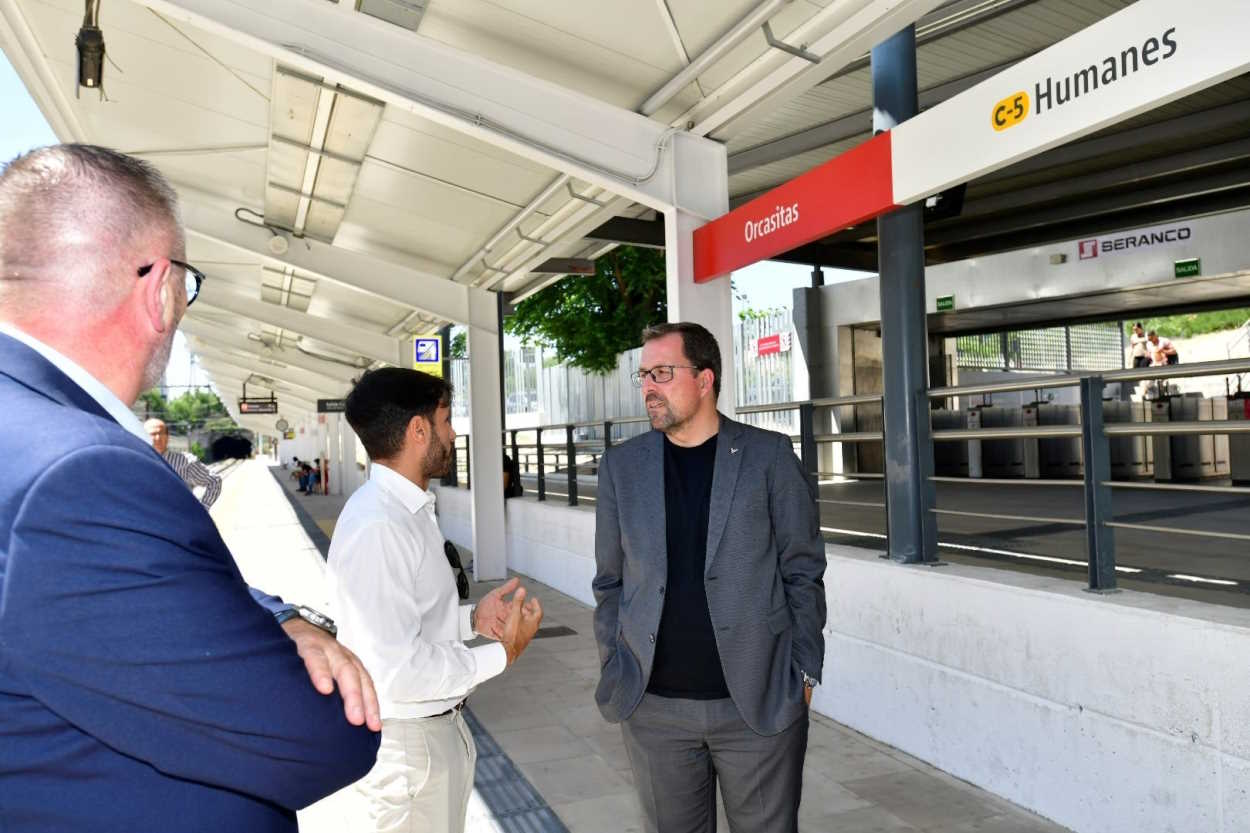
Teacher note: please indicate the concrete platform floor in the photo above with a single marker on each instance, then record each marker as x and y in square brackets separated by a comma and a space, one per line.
[541, 713]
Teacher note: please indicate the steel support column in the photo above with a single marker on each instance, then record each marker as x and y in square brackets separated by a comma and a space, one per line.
[1099, 538]
[912, 526]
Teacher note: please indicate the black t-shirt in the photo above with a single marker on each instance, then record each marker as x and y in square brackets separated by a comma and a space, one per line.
[687, 664]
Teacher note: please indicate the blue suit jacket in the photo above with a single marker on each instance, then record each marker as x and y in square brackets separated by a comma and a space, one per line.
[141, 686]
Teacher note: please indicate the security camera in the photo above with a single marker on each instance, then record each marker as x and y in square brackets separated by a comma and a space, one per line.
[90, 46]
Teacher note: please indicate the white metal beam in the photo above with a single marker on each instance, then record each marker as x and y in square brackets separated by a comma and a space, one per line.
[775, 77]
[227, 337]
[212, 218]
[314, 383]
[566, 130]
[239, 372]
[356, 339]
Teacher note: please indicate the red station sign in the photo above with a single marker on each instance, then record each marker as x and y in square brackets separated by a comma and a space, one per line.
[848, 189]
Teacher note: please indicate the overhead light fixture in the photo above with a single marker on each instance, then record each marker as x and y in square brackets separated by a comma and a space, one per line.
[90, 46]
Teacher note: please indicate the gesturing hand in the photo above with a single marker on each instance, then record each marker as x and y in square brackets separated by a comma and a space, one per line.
[328, 663]
[492, 611]
[523, 620]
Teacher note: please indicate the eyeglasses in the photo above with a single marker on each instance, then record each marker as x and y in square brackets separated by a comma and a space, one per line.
[193, 277]
[659, 374]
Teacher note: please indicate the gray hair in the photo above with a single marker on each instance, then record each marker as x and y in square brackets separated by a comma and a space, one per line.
[69, 214]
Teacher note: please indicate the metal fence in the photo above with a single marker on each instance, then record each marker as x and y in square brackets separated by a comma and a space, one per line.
[1095, 347]
[563, 394]
[561, 456]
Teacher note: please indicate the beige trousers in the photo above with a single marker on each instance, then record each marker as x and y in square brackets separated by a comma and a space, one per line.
[423, 776]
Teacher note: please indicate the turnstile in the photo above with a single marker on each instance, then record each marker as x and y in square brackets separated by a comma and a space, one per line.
[1054, 457]
[1132, 458]
[998, 458]
[950, 459]
[1189, 456]
[1239, 444]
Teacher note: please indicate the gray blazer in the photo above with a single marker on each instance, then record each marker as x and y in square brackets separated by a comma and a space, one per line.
[764, 574]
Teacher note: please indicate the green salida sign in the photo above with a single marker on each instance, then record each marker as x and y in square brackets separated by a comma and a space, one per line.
[945, 303]
[1189, 268]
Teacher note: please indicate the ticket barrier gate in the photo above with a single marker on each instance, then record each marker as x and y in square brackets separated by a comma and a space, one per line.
[950, 459]
[1132, 458]
[1239, 444]
[1054, 458]
[995, 458]
[1189, 456]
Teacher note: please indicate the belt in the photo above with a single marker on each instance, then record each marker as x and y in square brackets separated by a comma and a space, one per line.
[458, 707]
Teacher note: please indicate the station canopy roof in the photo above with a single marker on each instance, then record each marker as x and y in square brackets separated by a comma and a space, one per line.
[336, 210]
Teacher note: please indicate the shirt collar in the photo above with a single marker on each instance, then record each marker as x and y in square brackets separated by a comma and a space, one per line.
[412, 496]
[106, 399]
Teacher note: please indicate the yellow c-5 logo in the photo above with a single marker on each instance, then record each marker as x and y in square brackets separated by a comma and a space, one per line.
[1010, 111]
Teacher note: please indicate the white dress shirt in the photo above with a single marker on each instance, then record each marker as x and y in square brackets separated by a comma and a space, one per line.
[394, 599]
[93, 387]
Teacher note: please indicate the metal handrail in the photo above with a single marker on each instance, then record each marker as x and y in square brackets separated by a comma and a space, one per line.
[1149, 429]
[1011, 432]
[827, 402]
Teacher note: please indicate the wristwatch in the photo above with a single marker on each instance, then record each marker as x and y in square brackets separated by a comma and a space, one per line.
[312, 617]
[810, 682]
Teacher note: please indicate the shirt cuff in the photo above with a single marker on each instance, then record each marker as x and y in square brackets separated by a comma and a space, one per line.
[466, 623]
[491, 660]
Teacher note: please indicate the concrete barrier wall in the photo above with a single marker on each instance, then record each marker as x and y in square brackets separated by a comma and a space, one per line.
[1127, 713]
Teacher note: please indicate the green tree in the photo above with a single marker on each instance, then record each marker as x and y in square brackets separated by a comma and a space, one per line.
[459, 348]
[153, 403]
[198, 451]
[591, 319]
[199, 408]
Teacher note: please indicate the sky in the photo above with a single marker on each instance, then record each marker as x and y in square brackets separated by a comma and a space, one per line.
[766, 285]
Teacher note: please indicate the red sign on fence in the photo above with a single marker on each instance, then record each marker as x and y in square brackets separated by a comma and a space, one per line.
[768, 345]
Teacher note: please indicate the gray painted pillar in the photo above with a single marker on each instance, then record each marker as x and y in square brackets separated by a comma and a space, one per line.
[908, 446]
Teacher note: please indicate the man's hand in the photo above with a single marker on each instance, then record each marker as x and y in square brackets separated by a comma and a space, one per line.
[521, 625]
[807, 694]
[328, 662]
[493, 609]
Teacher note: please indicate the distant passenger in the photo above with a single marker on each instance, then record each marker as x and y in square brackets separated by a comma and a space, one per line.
[192, 471]
[1140, 345]
[1162, 351]
[142, 687]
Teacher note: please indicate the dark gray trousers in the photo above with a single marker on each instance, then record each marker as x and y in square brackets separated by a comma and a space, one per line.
[680, 749]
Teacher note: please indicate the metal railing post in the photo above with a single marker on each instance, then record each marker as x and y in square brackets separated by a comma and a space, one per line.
[516, 457]
[572, 455]
[807, 443]
[468, 463]
[1099, 538]
[607, 434]
[542, 475]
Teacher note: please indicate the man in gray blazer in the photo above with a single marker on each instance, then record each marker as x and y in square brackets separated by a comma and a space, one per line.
[710, 600]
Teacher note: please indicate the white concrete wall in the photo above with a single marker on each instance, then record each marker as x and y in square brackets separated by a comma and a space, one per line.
[1127, 713]
[551, 541]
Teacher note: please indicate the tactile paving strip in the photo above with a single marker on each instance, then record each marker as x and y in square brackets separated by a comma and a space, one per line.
[515, 804]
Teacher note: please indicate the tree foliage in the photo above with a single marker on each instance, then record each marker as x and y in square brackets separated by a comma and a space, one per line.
[591, 319]
[194, 409]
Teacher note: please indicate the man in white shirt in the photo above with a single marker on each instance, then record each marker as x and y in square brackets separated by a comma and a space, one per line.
[394, 597]
[1140, 345]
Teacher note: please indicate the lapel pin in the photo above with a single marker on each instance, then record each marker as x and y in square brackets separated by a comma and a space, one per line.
[733, 450]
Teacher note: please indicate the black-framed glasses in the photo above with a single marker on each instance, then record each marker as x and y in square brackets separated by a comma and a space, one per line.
[194, 277]
[659, 374]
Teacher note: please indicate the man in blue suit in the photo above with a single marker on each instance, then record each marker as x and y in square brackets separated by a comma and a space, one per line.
[142, 687]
